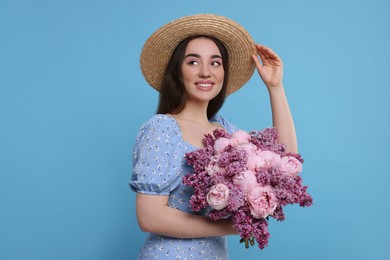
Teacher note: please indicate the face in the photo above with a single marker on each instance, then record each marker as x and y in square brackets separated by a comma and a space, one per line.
[202, 70]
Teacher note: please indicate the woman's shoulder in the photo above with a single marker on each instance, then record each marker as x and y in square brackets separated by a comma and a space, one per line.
[158, 127]
[160, 122]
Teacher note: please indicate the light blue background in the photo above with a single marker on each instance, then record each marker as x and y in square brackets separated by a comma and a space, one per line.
[72, 99]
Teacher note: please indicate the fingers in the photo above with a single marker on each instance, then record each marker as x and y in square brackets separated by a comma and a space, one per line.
[261, 52]
[258, 64]
[262, 55]
[267, 53]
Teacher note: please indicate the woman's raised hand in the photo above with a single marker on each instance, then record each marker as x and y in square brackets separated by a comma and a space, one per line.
[270, 68]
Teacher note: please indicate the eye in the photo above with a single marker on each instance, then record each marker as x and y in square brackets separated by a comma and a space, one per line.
[216, 63]
[192, 62]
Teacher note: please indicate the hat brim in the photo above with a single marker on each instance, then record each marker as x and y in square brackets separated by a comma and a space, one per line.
[159, 47]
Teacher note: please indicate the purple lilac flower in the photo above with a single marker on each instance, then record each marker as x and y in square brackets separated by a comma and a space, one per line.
[267, 139]
[198, 201]
[278, 213]
[233, 160]
[260, 232]
[296, 155]
[242, 220]
[287, 189]
[236, 198]
[199, 159]
[218, 133]
[208, 142]
[219, 214]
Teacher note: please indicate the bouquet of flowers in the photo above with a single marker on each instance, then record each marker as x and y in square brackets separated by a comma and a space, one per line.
[248, 177]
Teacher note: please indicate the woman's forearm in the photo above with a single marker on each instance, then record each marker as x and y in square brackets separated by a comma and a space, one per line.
[282, 118]
[155, 216]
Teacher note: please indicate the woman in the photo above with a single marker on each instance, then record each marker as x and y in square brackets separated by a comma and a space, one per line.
[195, 62]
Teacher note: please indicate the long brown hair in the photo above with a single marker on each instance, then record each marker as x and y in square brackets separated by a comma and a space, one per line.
[172, 92]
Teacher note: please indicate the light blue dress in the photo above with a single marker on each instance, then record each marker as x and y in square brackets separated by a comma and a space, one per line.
[158, 168]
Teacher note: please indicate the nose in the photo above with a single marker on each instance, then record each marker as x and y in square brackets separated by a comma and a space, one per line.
[204, 71]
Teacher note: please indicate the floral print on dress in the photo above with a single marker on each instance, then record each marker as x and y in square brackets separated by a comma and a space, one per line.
[158, 168]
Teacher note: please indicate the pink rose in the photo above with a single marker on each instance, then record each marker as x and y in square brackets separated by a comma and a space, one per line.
[291, 165]
[255, 162]
[215, 168]
[245, 180]
[220, 144]
[250, 148]
[262, 201]
[268, 159]
[239, 137]
[218, 196]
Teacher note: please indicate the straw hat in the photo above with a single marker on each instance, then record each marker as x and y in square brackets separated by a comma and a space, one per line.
[159, 47]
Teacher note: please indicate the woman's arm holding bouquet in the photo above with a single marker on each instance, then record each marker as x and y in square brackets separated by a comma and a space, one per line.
[154, 215]
[271, 71]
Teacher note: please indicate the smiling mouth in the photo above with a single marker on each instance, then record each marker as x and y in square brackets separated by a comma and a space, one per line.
[204, 85]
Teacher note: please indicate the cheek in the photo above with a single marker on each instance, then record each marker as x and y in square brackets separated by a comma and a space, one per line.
[187, 73]
[221, 76]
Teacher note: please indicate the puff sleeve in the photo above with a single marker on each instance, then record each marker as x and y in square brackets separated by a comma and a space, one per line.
[158, 157]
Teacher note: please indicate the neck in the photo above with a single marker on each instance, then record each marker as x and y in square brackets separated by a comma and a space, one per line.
[196, 112]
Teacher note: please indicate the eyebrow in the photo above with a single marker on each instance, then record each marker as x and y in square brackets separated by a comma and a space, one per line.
[198, 56]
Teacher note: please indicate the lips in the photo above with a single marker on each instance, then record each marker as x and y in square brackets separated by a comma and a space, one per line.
[204, 85]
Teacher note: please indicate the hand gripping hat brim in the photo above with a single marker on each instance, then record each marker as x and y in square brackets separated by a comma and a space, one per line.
[159, 47]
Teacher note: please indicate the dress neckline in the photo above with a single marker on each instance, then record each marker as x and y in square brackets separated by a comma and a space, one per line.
[174, 120]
